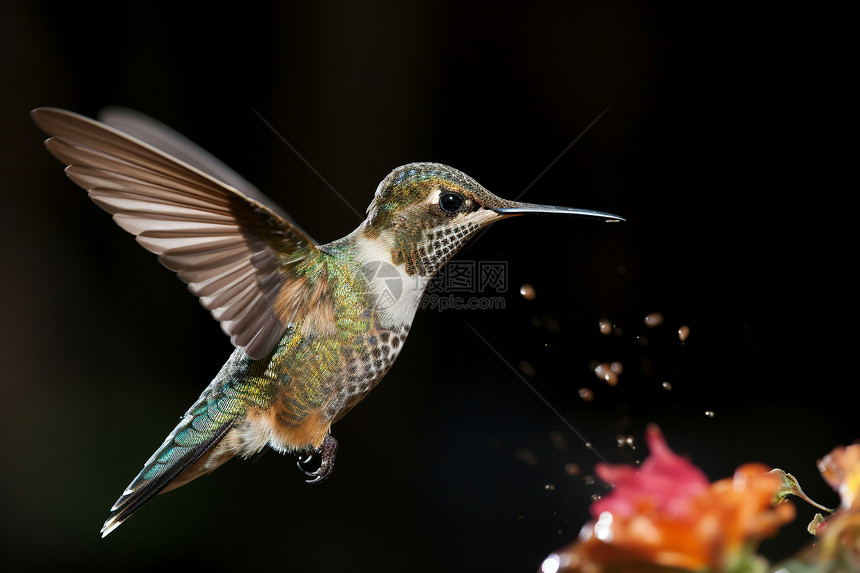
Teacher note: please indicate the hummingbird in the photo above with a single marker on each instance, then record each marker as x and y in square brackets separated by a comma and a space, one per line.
[315, 326]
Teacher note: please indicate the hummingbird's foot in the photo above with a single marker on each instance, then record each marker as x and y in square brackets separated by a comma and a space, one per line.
[327, 451]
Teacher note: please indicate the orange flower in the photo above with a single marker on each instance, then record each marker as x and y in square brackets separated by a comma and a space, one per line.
[837, 547]
[667, 515]
[841, 470]
[840, 533]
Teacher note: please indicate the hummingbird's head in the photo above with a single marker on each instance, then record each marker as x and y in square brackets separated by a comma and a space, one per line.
[424, 212]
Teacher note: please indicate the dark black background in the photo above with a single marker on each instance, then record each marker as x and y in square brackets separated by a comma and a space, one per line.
[722, 143]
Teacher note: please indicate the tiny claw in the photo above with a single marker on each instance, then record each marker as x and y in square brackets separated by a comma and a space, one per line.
[303, 462]
[327, 451]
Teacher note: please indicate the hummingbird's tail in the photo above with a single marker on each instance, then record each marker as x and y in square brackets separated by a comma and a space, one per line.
[201, 442]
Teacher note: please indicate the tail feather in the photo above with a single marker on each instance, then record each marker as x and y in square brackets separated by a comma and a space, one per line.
[191, 449]
[160, 472]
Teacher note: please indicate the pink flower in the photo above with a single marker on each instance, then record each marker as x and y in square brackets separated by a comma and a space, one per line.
[667, 514]
[665, 482]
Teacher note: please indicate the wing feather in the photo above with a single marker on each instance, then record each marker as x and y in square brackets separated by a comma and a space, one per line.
[234, 251]
[167, 140]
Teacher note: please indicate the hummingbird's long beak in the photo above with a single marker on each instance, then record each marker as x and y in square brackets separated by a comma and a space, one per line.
[526, 208]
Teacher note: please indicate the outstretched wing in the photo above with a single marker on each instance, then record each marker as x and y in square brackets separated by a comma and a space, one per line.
[234, 252]
[157, 135]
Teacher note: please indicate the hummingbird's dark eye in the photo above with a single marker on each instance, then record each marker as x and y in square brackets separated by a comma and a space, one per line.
[450, 202]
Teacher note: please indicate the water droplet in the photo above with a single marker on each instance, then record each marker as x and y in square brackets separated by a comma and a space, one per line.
[551, 564]
[605, 372]
[683, 333]
[653, 319]
[586, 394]
[709, 413]
[549, 487]
[624, 441]
[528, 292]
[571, 469]
[667, 386]
[603, 527]
[605, 326]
